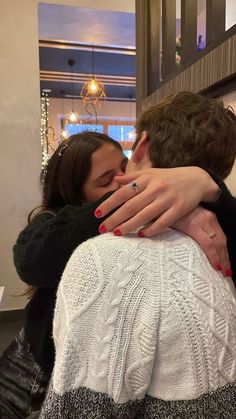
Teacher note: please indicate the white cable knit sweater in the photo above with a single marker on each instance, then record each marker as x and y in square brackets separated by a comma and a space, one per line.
[142, 327]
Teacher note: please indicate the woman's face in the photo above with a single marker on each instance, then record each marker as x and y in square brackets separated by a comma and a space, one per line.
[107, 162]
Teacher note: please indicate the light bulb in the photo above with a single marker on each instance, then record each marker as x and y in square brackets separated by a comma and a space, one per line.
[93, 86]
[131, 135]
[72, 117]
[64, 133]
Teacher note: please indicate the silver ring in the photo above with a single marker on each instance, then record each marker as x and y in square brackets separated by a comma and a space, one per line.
[213, 234]
[134, 186]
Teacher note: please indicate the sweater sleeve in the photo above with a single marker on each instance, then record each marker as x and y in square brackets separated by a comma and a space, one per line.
[44, 246]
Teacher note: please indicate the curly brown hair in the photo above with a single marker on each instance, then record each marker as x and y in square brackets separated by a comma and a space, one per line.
[190, 130]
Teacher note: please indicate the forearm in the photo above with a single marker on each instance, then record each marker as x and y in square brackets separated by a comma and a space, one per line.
[224, 207]
[225, 211]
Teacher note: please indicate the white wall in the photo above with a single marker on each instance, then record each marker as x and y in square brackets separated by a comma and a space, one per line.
[119, 6]
[230, 19]
[20, 123]
[230, 100]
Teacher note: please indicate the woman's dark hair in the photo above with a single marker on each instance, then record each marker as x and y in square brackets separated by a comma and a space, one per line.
[66, 173]
[69, 168]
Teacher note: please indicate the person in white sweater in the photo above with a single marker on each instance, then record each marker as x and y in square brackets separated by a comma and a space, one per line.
[146, 328]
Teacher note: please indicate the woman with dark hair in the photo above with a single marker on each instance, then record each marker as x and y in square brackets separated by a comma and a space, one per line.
[82, 169]
[78, 176]
[75, 159]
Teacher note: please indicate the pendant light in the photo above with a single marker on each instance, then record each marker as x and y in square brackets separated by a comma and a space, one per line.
[93, 91]
[73, 117]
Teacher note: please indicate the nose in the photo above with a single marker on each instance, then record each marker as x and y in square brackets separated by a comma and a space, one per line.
[115, 185]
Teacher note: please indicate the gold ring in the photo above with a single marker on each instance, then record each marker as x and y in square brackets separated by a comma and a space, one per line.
[213, 234]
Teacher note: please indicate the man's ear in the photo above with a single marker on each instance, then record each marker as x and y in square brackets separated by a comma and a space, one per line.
[141, 149]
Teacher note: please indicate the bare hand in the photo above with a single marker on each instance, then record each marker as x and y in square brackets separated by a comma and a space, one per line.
[203, 227]
[164, 196]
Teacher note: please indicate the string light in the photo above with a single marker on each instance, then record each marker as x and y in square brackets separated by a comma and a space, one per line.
[44, 129]
[45, 133]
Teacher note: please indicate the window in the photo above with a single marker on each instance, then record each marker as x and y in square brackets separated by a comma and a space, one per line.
[121, 132]
[77, 128]
[127, 153]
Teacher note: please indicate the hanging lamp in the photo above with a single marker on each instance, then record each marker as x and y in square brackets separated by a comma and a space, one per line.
[64, 134]
[72, 117]
[93, 91]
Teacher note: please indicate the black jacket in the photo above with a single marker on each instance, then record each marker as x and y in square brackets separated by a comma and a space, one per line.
[44, 247]
[225, 210]
[40, 256]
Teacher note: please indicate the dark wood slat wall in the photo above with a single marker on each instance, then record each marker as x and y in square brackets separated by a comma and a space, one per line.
[188, 29]
[168, 37]
[198, 70]
[153, 46]
[215, 19]
[141, 52]
[217, 65]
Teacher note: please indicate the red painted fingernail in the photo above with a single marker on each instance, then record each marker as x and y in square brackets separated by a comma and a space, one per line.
[117, 232]
[219, 267]
[141, 234]
[102, 228]
[228, 272]
[98, 213]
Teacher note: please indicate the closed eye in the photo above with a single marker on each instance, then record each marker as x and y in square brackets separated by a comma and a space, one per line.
[106, 181]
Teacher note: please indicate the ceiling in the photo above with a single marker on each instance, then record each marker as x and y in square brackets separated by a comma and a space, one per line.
[105, 37]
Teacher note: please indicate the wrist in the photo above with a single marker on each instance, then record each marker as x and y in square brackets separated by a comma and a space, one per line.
[211, 190]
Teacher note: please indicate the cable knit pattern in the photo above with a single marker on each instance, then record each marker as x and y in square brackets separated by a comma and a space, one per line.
[139, 320]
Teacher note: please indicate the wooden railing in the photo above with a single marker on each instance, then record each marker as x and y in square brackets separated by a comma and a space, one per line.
[156, 61]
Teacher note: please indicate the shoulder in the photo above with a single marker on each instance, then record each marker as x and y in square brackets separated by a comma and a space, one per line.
[169, 245]
[92, 267]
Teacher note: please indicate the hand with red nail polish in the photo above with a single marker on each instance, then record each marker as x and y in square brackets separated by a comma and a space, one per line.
[199, 224]
[102, 229]
[98, 213]
[141, 234]
[164, 196]
[228, 272]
